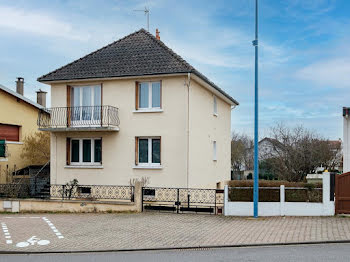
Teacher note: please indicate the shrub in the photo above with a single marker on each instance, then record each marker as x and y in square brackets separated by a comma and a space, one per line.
[305, 192]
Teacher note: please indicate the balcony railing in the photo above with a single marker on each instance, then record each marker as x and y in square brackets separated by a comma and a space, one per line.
[79, 118]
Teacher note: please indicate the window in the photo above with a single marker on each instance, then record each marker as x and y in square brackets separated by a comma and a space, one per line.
[148, 151]
[9, 132]
[86, 151]
[215, 106]
[86, 102]
[214, 151]
[148, 95]
[2, 148]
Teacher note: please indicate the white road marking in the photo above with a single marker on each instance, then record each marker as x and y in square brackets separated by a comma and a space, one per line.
[53, 228]
[6, 233]
[22, 217]
[32, 241]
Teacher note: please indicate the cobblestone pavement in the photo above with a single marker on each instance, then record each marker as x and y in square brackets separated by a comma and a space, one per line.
[86, 232]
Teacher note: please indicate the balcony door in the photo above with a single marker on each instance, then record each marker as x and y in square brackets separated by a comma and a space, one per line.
[86, 105]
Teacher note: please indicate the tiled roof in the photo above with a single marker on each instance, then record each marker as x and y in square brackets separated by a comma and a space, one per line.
[138, 54]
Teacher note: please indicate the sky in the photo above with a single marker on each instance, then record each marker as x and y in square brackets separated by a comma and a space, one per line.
[304, 54]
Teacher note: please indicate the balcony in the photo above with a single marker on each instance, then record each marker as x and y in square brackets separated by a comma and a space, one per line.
[79, 118]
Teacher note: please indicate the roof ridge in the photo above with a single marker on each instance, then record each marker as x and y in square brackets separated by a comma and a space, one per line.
[92, 53]
[172, 52]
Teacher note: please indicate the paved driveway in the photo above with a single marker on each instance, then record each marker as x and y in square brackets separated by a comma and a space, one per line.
[86, 232]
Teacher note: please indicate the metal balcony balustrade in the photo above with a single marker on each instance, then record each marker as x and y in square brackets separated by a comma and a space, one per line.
[79, 118]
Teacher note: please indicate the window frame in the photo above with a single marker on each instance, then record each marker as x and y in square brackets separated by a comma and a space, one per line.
[92, 153]
[150, 149]
[150, 96]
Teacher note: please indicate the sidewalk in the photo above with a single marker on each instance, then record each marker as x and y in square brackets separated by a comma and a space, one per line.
[87, 232]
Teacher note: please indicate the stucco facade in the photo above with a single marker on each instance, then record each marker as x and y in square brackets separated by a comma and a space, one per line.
[186, 124]
[20, 113]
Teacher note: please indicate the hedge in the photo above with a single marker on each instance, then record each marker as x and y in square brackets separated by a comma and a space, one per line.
[294, 192]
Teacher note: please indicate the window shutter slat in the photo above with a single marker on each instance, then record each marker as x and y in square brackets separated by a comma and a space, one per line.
[101, 108]
[136, 150]
[101, 149]
[136, 95]
[160, 148]
[69, 104]
[68, 151]
[161, 91]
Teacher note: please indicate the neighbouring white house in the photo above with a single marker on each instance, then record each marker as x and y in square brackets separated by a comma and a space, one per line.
[346, 139]
[268, 147]
[135, 109]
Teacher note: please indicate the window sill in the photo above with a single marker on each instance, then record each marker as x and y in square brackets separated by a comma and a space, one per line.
[14, 142]
[147, 167]
[157, 110]
[85, 166]
[3, 159]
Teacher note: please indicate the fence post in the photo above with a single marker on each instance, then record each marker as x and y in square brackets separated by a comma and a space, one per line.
[282, 199]
[325, 187]
[328, 206]
[178, 201]
[63, 188]
[138, 196]
[225, 199]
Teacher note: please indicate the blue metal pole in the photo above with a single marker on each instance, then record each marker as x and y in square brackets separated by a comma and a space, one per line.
[256, 133]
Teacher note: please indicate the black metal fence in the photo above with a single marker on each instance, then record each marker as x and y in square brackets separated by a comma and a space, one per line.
[79, 116]
[67, 192]
[182, 200]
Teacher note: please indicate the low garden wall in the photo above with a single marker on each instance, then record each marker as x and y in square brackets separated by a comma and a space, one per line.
[65, 205]
[277, 202]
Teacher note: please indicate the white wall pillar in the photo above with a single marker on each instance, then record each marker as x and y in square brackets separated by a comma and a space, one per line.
[326, 187]
[346, 144]
[282, 199]
[225, 199]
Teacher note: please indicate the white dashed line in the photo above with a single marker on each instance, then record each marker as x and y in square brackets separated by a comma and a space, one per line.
[53, 228]
[6, 233]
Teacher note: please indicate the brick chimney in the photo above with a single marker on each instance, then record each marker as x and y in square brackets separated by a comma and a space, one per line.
[41, 97]
[19, 85]
[157, 34]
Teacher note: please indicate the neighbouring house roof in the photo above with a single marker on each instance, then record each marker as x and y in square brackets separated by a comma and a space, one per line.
[138, 54]
[19, 96]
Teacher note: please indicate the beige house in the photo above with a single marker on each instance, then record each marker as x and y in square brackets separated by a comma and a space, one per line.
[18, 119]
[136, 109]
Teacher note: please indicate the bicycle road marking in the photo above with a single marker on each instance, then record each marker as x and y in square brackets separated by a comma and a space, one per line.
[40, 242]
[53, 228]
[6, 233]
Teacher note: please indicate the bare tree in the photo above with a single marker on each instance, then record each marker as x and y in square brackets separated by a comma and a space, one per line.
[298, 151]
[241, 157]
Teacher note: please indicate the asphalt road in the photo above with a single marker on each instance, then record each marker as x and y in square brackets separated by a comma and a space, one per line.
[319, 252]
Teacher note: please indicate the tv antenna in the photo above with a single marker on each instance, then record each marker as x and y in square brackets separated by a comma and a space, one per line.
[146, 11]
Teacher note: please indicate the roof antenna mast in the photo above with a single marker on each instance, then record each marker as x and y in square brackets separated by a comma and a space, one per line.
[146, 11]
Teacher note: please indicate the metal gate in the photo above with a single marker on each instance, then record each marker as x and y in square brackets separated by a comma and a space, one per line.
[183, 200]
[342, 193]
